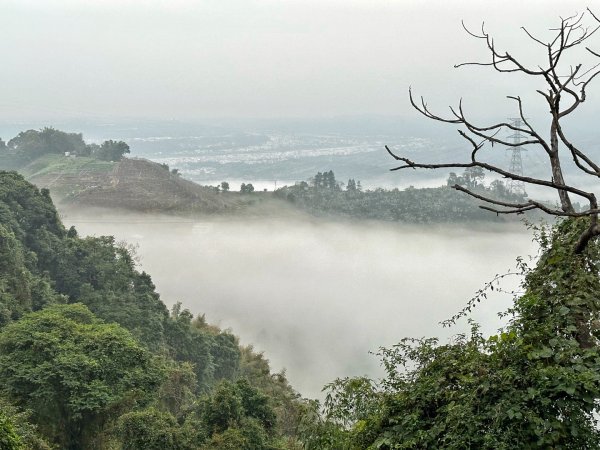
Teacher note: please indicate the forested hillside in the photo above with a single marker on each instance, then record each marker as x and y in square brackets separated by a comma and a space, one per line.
[90, 356]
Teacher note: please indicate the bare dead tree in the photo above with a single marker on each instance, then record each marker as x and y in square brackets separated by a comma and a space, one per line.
[564, 91]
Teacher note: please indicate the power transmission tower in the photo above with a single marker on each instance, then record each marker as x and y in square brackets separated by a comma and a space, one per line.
[516, 162]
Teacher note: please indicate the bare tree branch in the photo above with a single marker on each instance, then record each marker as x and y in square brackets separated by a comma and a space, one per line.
[521, 207]
[509, 211]
[490, 167]
[559, 81]
[543, 44]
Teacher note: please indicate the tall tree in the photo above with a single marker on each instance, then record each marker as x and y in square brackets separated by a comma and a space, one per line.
[351, 186]
[318, 180]
[246, 188]
[111, 150]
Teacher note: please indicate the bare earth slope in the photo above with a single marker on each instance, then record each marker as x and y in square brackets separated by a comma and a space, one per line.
[133, 184]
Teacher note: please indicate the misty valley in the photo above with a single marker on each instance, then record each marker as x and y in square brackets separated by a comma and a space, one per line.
[315, 295]
[267, 225]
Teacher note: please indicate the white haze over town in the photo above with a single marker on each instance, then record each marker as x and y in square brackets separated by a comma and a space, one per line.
[315, 296]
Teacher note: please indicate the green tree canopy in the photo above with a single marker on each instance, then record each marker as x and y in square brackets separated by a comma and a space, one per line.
[9, 439]
[31, 144]
[111, 150]
[149, 429]
[73, 371]
[246, 188]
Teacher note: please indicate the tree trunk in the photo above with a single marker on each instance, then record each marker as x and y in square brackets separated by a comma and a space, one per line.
[557, 176]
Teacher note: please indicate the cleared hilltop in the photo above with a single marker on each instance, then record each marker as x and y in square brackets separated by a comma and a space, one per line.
[131, 183]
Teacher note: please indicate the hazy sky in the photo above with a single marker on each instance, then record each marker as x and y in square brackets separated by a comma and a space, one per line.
[187, 59]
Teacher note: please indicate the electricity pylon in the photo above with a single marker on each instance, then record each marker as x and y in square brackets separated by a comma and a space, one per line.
[516, 162]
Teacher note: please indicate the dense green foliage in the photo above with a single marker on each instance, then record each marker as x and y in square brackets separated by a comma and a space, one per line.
[246, 188]
[9, 439]
[536, 384]
[109, 150]
[72, 370]
[32, 144]
[21, 423]
[90, 357]
[149, 429]
[234, 412]
[323, 195]
[27, 219]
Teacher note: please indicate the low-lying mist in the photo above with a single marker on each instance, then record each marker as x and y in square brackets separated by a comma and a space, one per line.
[317, 296]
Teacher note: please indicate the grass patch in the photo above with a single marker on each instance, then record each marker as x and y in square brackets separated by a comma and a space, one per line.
[55, 164]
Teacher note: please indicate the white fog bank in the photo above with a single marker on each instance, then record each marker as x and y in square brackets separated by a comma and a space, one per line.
[316, 297]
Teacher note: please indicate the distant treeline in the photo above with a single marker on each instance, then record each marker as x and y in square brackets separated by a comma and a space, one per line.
[324, 195]
[31, 144]
[90, 357]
